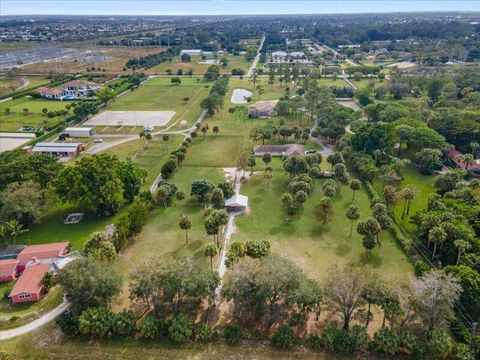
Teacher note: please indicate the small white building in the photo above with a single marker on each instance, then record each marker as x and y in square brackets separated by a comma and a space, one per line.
[237, 202]
[79, 132]
[58, 149]
[297, 55]
[279, 56]
[75, 89]
[191, 52]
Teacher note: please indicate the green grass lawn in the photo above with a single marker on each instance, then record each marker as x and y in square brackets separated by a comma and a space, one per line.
[10, 85]
[331, 82]
[364, 83]
[304, 240]
[15, 315]
[234, 62]
[34, 116]
[424, 185]
[214, 151]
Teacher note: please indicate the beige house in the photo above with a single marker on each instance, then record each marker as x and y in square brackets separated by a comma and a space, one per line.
[262, 109]
[279, 150]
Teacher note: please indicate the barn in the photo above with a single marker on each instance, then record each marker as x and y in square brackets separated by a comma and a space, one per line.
[29, 287]
[8, 270]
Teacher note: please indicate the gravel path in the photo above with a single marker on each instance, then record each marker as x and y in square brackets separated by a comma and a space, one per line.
[35, 324]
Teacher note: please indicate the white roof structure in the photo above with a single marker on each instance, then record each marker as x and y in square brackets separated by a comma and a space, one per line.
[192, 52]
[237, 200]
[279, 54]
[60, 262]
[297, 54]
[56, 147]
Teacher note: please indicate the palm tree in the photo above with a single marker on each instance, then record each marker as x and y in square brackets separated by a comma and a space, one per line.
[16, 228]
[468, 159]
[437, 235]
[474, 146]
[211, 250]
[353, 213]
[368, 243]
[185, 223]
[409, 193]
[4, 234]
[355, 185]
[462, 246]
[180, 196]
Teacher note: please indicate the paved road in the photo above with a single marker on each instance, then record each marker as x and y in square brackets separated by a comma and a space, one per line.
[257, 58]
[96, 148]
[42, 320]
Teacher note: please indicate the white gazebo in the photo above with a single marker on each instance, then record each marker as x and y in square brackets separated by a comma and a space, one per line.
[237, 202]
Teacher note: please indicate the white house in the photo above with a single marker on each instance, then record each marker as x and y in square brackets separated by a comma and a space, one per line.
[47, 93]
[78, 88]
[279, 56]
[297, 55]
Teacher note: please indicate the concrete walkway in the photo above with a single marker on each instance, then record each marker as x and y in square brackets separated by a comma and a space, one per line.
[35, 324]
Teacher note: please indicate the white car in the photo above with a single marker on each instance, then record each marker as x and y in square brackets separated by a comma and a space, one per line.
[97, 141]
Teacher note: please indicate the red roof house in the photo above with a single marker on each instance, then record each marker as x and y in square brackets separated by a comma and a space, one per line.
[29, 286]
[8, 269]
[453, 155]
[41, 252]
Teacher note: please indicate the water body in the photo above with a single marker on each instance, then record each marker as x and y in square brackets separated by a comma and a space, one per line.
[239, 96]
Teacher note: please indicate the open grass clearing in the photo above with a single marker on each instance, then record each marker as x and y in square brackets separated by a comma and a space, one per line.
[365, 82]
[215, 151]
[9, 85]
[33, 105]
[234, 62]
[303, 239]
[15, 315]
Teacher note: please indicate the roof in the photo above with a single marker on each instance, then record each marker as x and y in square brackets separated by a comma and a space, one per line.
[78, 129]
[42, 251]
[454, 154]
[237, 200]
[31, 280]
[48, 91]
[297, 54]
[8, 266]
[264, 105]
[56, 147]
[289, 149]
[63, 260]
[279, 53]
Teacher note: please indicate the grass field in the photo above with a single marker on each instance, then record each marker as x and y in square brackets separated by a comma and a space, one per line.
[9, 85]
[214, 151]
[34, 116]
[364, 83]
[14, 315]
[159, 94]
[234, 62]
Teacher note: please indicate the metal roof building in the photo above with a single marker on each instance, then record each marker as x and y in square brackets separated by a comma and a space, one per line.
[57, 149]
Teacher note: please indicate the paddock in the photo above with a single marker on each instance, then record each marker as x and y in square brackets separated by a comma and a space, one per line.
[131, 118]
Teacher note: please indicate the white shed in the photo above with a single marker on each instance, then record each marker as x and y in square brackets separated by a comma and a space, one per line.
[78, 132]
[237, 202]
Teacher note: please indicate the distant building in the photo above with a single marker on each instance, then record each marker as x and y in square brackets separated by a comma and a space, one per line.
[58, 149]
[75, 89]
[191, 52]
[279, 56]
[279, 150]
[474, 169]
[29, 287]
[47, 93]
[79, 131]
[297, 55]
[8, 269]
[263, 109]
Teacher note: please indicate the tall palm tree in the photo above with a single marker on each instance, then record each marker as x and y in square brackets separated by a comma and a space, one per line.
[437, 235]
[211, 250]
[16, 228]
[408, 195]
[185, 223]
[462, 246]
[353, 213]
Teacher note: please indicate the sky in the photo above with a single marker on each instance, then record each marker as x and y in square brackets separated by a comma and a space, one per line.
[226, 7]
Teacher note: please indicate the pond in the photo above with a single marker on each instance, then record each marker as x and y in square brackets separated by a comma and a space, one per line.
[239, 96]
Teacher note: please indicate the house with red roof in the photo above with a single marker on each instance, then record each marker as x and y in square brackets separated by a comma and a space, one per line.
[29, 286]
[42, 252]
[455, 156]
[8, 269]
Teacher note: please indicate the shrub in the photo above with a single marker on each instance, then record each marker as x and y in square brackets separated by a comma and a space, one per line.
[387, 341]
[340, 340]
[123, 324]
[421, 267]
[6, 291]
[462, 352]
[283, 337]
[96, 322]
[68, 324]
[149, 327]
[232, 334]
[180, 329]
[203, 333]
[314, 342]
[439, 345]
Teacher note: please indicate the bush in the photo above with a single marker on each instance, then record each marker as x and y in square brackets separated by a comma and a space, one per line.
[421, 267]
[387, 340]
[180, 329]
[462, 352]
[68, 324]
[123, 324]
[6, 291]
[203, 333]
[314, 342]
[96, 322]
[149, 327]
[283, 338]
[337, 339]
[233, 334]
